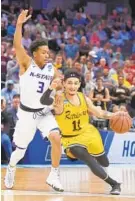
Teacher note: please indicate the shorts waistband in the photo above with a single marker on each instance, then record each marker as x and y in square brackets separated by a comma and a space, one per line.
[68, 136]
[27, 109]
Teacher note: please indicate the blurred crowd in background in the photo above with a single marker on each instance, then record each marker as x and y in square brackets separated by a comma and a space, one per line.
[101, 48]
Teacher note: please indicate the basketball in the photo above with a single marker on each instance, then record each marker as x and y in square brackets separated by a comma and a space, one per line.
[121, 122]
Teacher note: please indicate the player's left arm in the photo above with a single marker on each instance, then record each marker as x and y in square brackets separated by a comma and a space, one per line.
[58, 104]
[97, 111]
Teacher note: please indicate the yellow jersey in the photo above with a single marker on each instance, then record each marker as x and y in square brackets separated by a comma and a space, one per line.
[75, 119]
[57, 66]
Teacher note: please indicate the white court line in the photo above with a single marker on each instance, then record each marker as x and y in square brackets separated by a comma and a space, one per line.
[72, 166]
[17, 192]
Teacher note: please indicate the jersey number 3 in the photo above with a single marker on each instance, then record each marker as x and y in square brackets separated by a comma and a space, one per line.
[40, 87]
[76, 125]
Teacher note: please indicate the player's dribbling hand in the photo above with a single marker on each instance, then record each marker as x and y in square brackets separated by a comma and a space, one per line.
[22, 18]
[121, 113]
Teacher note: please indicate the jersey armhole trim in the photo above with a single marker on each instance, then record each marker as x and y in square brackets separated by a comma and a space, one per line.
[27, 68]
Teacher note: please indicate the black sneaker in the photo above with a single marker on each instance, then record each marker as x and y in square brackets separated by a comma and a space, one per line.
[116, 189]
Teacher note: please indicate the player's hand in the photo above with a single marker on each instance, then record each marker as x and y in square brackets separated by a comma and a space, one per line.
[122, 113]
[55, 83]
[22, 18]
[58, 99]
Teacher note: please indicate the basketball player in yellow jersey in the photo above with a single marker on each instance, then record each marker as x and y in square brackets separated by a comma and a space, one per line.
[80, 139]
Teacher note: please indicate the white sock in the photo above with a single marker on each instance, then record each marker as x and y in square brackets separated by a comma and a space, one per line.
[54, 169]
[16, 156]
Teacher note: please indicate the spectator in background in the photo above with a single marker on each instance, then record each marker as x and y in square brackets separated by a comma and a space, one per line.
[58, 62]
[52, 55]
[120, 72]
[11, 29]
[114, 67]
[26, 40]
[79, 35]
[84, 46]
[13, 70]
[12, 114]
[68, 64]
[71, 50]
[90, 66]
[67, 33]
[119, 59]
[128, 25]
[120, 94]
[83, 62]
[117, 40]
[118, 51]
[79, 20]
[133, 47]
[4, 61]
[5, 140]
[100, 67]
[124, 35]
[59, 15]
[102, 34]
[105, 52]
[92, 57]
[97, 47]
[44, 16]
[81, 11]
[8, 92]
[3, 29]
[78, 67]
[94, 38]
[89, 84]
[131, 105]
[41, 28]
[100, 95]
[132, 33]
[55, 34]
[4, 19]
[114, 16]
[108, 82]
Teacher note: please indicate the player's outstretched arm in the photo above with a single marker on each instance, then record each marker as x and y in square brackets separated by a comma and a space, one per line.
[58, 103]
[49, 95]
[97, 111]
[22, 57]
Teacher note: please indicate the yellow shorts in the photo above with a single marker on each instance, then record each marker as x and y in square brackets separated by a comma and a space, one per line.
[90, 139]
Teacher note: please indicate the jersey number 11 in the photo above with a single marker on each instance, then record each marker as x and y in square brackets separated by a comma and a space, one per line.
[76, 125]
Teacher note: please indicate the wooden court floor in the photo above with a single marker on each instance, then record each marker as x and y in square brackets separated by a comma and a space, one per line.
[79, 184]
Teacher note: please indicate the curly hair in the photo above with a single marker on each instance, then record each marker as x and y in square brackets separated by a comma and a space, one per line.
[36, 44]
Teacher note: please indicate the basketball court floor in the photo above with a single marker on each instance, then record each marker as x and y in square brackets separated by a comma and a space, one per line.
[78, 181]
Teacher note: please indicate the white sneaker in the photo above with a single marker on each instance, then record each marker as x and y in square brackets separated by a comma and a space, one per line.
[54, 181]
[10, 176]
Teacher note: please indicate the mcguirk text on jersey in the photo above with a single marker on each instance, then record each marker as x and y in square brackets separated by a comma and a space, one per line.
[41, 76]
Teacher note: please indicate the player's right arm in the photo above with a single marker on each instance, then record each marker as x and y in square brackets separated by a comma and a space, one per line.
[99, 112]
[22, 57]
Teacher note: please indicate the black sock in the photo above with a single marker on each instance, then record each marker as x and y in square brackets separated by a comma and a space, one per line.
[110, 181]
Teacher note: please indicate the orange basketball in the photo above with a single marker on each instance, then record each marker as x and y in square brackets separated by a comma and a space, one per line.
[121, 122]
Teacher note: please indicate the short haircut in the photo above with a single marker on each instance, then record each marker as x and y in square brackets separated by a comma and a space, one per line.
[16, 96]
[36, 44]
[99, 78]
[121, 76]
